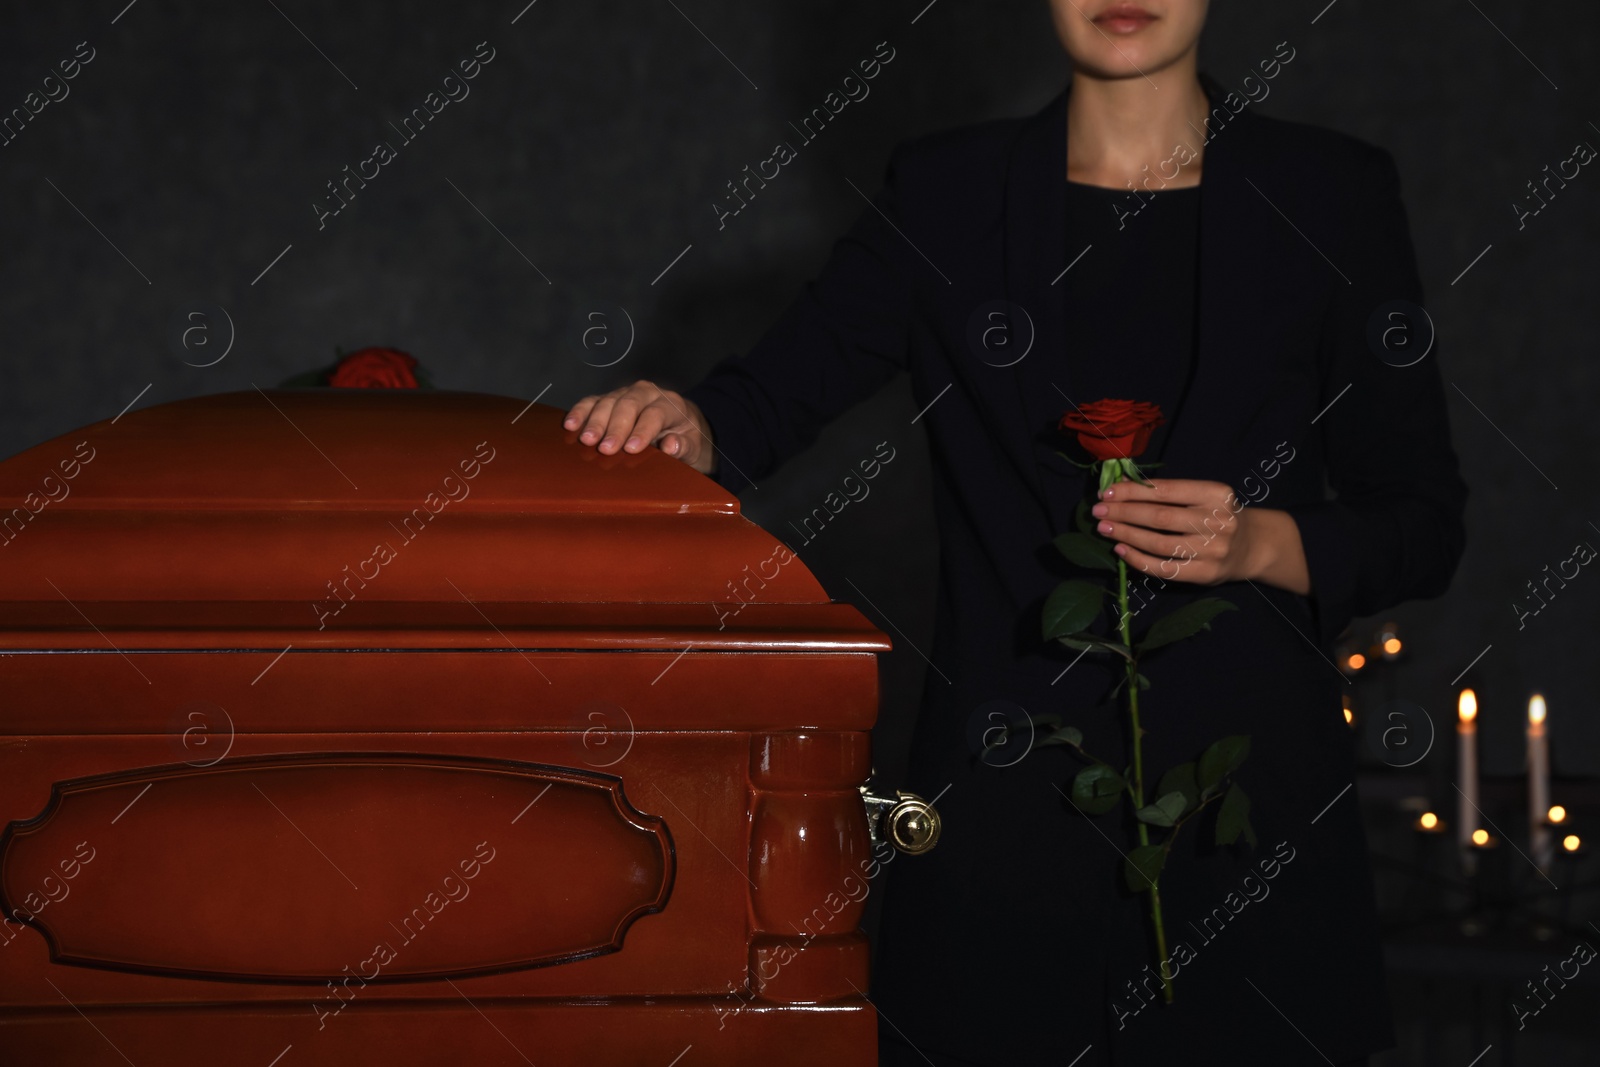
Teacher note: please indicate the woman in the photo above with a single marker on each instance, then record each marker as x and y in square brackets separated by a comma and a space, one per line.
[1146, 235]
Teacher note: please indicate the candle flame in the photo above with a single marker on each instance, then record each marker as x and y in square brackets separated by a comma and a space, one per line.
[1357, 661]
[1557, 813]
[1349, 716]
[1571, 842]
[1480, 836]
[1536, 709]
[1429, 820]
[1467, 707]
[1392, 646]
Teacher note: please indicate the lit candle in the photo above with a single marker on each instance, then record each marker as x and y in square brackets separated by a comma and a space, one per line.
[1467, 765]
[1539, 785]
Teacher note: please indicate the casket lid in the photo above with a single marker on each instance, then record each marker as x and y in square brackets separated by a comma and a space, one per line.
[352, 518]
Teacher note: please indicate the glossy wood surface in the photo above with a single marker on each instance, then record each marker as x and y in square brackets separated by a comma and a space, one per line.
[418, 819]
[241, 826]
[241, 513]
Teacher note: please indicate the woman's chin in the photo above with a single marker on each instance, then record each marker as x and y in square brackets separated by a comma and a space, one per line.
[1127, 60]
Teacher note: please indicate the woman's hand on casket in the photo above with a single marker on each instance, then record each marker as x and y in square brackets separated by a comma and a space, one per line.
[634, 417]
[1199, 531]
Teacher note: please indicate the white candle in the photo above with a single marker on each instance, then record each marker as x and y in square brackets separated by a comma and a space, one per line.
[1467, 768]
[1540, 834]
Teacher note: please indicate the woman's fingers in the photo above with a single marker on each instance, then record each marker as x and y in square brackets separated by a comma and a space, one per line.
[624, 416]
[637, 416]
[594, 424]
[578, 412]
[1143, 561]
[610, 418]
[1152, 542]
[1182, 568]
[1181, 491]
[656, 419]
[1161, 517]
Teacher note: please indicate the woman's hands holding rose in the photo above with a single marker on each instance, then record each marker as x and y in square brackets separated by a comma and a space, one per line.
[1199, 531]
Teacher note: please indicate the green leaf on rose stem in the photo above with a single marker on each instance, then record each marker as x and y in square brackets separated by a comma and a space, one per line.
[996, 737]
[1185, 622]
[1122, 681]
[1233, 817]
[1000, 736]
[1095, 643]
[1222, 758]
[1086, 550]
[1071, 608]
[1143, 867]
[1063, 735]
[1164, 812]
[1096, 789]
[1181, 779]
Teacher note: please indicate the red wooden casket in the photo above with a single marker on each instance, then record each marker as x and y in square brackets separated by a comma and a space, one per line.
[355, 727]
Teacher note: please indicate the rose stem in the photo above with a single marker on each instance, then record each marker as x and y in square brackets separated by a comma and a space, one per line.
[1138, 771]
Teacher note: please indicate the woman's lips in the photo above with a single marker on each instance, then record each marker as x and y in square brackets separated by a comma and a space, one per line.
[1124, 18]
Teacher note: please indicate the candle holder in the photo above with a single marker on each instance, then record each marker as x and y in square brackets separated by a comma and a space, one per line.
[1487, 864]
[1437, 889]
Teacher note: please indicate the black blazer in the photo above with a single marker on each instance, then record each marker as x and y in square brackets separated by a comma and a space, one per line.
[1303, 242]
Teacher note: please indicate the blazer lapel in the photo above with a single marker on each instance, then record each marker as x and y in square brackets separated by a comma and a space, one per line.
[1035, 254]
[1222, 395]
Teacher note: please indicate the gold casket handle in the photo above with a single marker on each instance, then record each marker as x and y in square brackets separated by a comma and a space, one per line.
[905, 820]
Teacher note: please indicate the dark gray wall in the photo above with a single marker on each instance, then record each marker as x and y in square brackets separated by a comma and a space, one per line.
[200, 135]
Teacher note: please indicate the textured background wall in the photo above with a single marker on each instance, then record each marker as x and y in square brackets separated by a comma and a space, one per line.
[586, 160]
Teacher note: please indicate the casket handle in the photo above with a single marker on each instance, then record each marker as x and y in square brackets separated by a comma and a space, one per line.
[905, 820]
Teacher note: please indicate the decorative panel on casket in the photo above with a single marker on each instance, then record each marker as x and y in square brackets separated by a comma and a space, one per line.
[366, 726]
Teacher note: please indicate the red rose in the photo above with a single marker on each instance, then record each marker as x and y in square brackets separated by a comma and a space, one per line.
[375, 368]
[1113, 429]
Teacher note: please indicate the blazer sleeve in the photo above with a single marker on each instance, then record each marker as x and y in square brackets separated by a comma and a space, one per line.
[843, 337]
[1393, 529]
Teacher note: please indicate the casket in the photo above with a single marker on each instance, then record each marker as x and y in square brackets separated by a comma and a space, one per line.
[370, 726]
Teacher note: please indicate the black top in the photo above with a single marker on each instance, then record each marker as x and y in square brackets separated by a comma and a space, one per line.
[1012, 942]
[1130, 299]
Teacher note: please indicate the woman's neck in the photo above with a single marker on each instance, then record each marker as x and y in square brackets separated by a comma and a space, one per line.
[1116, 128]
